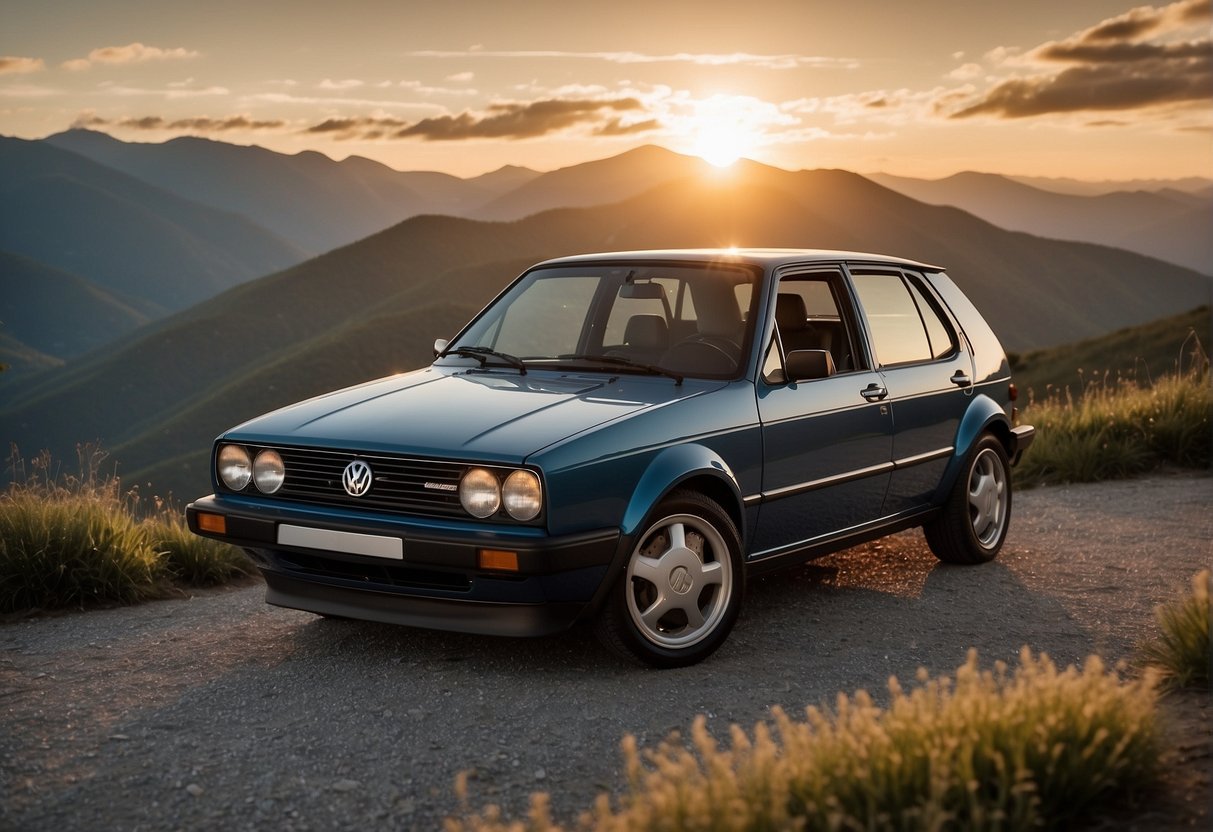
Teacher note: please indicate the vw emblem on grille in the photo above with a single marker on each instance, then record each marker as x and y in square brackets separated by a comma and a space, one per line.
[357, 478]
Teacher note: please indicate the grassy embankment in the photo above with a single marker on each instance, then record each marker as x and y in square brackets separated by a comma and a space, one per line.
[1127, 419]
[80, 539]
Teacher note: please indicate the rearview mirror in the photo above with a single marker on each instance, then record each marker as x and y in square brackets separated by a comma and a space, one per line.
[439, 346]
[643, 291]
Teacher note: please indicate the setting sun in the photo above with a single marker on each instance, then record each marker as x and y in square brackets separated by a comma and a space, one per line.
[720, 147]
[723, 128]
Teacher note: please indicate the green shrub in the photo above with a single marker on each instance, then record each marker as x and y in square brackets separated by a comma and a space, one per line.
[59, 550]
[72, 540]
[190, 559]
[1181, 651]
[1036, 748]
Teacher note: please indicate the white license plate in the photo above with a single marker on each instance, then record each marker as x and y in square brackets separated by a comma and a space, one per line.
[350, 543]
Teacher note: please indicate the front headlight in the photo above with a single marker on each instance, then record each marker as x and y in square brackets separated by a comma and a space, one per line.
[268, 471]
[235, 467]
[522, 495]
[479, 493]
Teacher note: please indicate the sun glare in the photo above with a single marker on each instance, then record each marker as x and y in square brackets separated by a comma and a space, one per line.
[724, 128]
[720, 147]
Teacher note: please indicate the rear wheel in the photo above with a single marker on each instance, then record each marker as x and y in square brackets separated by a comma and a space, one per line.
[682, 590]
[977, 514]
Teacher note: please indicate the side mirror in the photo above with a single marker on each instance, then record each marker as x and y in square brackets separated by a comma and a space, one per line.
[439, 346]
[806, 365]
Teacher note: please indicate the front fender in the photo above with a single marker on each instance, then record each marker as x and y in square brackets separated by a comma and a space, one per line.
[671, 467]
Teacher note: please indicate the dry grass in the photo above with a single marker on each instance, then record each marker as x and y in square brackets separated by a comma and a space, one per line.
[1032, 748]
[1181, 653]
[1117, 427]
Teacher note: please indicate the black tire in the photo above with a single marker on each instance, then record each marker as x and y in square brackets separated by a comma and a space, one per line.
[681, 590]
[975, 519]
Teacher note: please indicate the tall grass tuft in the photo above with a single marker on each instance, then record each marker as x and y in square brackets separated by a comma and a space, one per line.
[1030, 749]
[1181, 652]
[1118, 428]
[78, 538]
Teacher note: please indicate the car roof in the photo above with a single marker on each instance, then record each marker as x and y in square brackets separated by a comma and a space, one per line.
[768, 258]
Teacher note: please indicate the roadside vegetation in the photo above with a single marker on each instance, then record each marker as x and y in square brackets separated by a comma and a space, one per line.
[1112, 426]
[1181, 652]
[73, 540]
[1030, 748]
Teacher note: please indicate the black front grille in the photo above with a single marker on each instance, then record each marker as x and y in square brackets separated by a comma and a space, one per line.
[374, 573]
[398, 484]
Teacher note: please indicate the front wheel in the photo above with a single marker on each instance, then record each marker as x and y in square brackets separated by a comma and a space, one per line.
[975, 519]
[682, 590]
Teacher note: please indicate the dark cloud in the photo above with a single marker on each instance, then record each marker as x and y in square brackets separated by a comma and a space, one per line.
[517, 121]
[1105, 88]
[1112, 66]
[201, 124]
[616, 127]
[1119, 53]
[363, 127]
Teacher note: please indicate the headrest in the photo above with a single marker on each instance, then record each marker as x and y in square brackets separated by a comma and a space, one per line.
[790, 313]
[647, 332]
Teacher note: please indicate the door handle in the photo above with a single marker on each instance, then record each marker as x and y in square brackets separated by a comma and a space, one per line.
[960, 379]
[874, 392]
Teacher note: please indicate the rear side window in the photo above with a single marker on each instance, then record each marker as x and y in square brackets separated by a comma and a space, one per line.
[905, 327]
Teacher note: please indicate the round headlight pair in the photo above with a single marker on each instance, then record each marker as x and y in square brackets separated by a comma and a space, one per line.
[482, 495]
[236, 468]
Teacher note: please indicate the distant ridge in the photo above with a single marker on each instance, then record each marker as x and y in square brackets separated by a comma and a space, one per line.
[374, 307]
[313, 201]
[156, 249]
[1171, 225]
[57, 315]
[601, 182]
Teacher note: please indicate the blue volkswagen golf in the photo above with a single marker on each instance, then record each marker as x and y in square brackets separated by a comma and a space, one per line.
[625, 439]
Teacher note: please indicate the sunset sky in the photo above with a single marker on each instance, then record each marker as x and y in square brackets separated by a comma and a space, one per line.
[1094, 89]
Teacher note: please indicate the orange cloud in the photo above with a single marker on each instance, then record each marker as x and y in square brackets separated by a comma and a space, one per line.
[132, 53]
[14, 65]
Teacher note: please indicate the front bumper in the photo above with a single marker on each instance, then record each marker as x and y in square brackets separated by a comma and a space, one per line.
[438, 582]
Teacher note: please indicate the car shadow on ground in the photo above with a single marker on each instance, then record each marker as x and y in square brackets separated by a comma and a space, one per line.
[885, 607]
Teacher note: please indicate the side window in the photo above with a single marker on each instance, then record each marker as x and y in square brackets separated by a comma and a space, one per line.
[812, 312]
[898, 333]
[939, 334]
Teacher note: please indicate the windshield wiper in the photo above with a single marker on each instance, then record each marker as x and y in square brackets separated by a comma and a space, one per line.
[621, 361]
[483, 354]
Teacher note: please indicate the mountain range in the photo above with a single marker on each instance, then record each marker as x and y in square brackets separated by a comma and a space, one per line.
[158, 397]
[162, 226]
[307, 198]
[1172, 225]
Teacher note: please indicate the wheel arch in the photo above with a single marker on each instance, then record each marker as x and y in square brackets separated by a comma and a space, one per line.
[984, 415]
[694, 467]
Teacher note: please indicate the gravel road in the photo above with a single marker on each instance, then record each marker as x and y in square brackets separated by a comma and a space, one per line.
[218, 711]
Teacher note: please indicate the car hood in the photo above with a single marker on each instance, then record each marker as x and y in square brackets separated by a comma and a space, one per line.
[490, 416]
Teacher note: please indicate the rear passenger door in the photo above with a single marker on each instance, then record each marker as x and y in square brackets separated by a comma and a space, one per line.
[928, 371]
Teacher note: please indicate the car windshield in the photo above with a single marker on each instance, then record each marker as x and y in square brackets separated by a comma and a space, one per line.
[674, 319]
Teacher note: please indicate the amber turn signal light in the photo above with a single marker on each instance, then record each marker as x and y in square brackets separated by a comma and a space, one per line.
[214, 523]
[498, 559]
